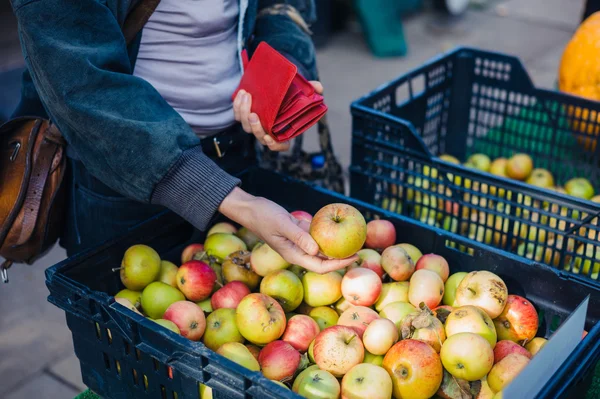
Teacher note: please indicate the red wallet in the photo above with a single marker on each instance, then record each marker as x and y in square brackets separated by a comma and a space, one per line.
[285, 102]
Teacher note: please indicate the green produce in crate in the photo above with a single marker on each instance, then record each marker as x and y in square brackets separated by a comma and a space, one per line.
[140, 266]
[580, 188]
[157, 297]
[135, 297]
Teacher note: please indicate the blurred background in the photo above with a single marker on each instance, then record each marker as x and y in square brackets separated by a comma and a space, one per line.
[362, 44]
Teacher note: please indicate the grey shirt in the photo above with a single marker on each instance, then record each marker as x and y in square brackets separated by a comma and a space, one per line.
[189, 53]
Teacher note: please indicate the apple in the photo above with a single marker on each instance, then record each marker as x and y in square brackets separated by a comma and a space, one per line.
[189, 252]
[236, 267]
[168, 273]
[361, 286]
[285, 287]
[135, 297]
[367, 381]
[297, 270]
[340, 230]
[482, 289]
[311, 352]
[279, 361]
[321, 289]
[260, 319]
[222, 227]
[449, 158]
[518, 321]
[265, 260]
[479, 161]
[358, 318]
[301, 330]
[485, 392]
[157, 297]
[415, 369]
[580, 188]
[396, 311]
[254, 350]
[541, 178]
[249, 238]
[316, 383]
[221, 328]
[585, 252]
[303, 309]
[519, 166]
[168, 324]
[127, 303]
[140, 266]
[397, 263]
[205, 305]
[337, 349]
[535, 345]
[230, 295]
[423, 326]
[370, 259]
[505, 347]
[425, 286]
[373, 359]
[302, 215]
[342, 305]
[196, 280]
[498, 167]
[324, 316]
[220, 245]
[467, 356]
[239, 354]
[188, 317]
[506, 370]
[396, 291]
[473, 320]
[380, 234]
[379, 336]
[435, 263]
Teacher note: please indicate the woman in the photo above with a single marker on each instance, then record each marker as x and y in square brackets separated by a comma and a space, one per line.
[152, 124]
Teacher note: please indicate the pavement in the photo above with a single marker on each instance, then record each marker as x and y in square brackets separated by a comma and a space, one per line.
[36, 351]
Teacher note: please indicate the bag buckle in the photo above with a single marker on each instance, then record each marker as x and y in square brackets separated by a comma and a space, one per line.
[218, 148]
[15, 151]
[4, 270]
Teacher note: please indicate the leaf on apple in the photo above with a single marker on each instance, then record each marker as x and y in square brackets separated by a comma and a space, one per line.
[455, 388]
[200, 256]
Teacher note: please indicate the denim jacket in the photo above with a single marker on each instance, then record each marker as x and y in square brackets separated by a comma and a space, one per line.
[79, 74]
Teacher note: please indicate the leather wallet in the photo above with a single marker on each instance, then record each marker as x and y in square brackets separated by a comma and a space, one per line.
[285, 102]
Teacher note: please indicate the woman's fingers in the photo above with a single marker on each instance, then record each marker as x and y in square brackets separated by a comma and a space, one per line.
[245, 106]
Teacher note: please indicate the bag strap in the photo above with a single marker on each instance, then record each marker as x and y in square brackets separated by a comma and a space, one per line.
[137, 18]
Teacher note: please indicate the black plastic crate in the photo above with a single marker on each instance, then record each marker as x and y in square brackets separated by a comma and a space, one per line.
[470, 101]
[124, 355]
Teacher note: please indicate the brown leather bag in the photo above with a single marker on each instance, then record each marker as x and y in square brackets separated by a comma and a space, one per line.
[32, 169]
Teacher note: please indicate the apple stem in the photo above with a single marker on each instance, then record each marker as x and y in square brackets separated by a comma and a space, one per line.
[116, 269]
[350, 340]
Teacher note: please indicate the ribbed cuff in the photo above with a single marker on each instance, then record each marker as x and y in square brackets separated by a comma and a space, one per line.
[194, 188]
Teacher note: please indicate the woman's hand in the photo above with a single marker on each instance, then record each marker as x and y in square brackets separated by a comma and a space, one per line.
[286, 235]
[242, 106]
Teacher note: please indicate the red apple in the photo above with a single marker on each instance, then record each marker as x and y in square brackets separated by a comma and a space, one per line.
[358, 318]
[340, 230]
[380, 234]
[435, 263]
[300, 332]
[370, 259]
[265, 260]
[337, 349]
[425, 286]
[279, 361]
[301, 215]
[505, 347]
[230, 295]
[188, 317]
[260, 319]
[196, 280]
[189, 252]
[361, 286]
[518, 321]
[397, 263]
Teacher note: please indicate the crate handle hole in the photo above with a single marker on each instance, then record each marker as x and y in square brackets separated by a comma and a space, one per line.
[402, 94]
[138, 354]
[418, 85]
[135, 376]
[163, 392]
[145, 382]
[170, 372]
[98, 333]
[155, 363]
[175, 395]
[106, 361]
[109, 335]
[126, 346]
[118, 366]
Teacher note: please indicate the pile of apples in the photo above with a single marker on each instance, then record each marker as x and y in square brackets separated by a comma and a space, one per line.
[393, 324]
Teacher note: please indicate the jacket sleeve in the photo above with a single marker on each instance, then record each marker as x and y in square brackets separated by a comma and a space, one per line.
[119, 125]
[285, 25]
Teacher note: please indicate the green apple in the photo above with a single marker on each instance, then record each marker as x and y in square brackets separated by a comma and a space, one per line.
[467, 356]
[260, 319]
[205, 392]
[311, 351]
[580, 188]
[135, 297]
[168, 324]
[450, 287]
[541, 178]
[140, 266]
[168, 273]
[281, 384]
[324, 316]
[157, 297]
[317, 384]
[285, 287]
[449, 158]
[222, 227]
[339, 229]
[498, 167]
[321, 289]
[205, 305]
[249, 238]
[220, 245]
[396, 311]
[301, 375]
[265, 260]
[221, 329]
[367, 380]
[239, 354]
[471, 319]
[373, 359]
[479, 161]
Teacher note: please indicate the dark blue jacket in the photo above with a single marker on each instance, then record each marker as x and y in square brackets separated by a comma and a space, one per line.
[80, 75]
